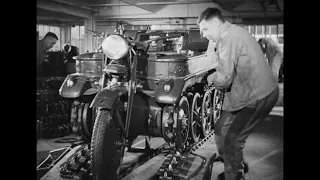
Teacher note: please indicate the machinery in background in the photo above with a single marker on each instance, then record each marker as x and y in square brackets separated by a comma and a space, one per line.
[53, 111]
[69, 51]
[80, 88]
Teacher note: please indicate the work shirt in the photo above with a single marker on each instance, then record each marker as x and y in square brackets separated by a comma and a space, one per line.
[242, 69]
[41, 52]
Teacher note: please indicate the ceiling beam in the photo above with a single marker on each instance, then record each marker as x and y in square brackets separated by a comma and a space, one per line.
[278, 5]
[69, 19]
[150, 8]
[63, 8]
[75, 4]
[262, 4]
[227, 15]
[129, 3]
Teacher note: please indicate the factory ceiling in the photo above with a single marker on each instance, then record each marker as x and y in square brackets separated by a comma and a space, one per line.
[71, 11]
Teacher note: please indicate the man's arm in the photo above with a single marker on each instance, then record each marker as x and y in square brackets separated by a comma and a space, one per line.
[227, 55]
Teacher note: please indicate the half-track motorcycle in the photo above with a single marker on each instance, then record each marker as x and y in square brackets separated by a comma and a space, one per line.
[156, 86]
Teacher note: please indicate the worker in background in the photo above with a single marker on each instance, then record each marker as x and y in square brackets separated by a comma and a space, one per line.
[43, 45]
[251, 90]
[273, 53]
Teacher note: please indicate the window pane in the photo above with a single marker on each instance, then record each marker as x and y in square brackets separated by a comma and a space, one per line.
[246, 28]
[45, 30]
[259, 30]
[280, 29]
[274, 30]
[251, 30]
[267, 30]
[57, 32]
[75, 36]
[75, 32]
[41, 34]
[82, 45]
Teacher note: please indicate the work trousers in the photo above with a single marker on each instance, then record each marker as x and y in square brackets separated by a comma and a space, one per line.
[233, 128]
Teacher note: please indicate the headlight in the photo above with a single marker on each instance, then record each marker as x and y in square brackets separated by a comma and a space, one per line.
[167, 87]
[115, 46]
[71, 82]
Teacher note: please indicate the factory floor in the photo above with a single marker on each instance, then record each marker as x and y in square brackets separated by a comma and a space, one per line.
[263, 150]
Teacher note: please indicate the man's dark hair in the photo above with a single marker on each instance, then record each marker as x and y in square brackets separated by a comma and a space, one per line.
[51, 34]
[210, 13]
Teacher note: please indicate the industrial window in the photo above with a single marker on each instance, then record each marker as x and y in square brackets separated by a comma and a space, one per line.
[259, 30]
[280, 36]
[252, 30]
[280, 29]
[246, 28]
[77, 38]
[275, 32]
[43, 29]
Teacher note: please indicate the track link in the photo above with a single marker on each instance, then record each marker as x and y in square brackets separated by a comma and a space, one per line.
[172, 165]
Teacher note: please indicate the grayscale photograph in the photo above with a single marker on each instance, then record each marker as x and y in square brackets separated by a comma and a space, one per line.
[159, 89]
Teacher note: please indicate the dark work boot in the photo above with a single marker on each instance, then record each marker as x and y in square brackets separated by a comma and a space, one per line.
[221, 176]
[245, 167]
[245, 164]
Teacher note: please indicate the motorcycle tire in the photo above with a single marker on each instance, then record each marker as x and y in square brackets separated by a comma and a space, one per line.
[107, 149]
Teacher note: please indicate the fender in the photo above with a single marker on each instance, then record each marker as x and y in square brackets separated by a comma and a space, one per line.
[81, 84]
[171, 96]
[105, 98]
[92, 90]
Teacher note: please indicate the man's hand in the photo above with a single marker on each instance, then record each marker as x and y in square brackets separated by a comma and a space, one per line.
[210, 78]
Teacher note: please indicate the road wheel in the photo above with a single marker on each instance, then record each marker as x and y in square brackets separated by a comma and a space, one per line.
[206, 114]
[217, 106]
[195, 118]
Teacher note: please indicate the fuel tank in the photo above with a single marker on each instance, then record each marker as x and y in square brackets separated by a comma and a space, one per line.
[170, 74]
[155, 67]
[89, 64]
[85, 80]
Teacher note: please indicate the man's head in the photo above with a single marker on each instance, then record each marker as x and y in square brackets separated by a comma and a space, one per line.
[263, 45]
[209, 22]
[50, 39]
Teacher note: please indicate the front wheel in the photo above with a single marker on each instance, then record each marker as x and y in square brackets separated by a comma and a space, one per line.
[107, 144]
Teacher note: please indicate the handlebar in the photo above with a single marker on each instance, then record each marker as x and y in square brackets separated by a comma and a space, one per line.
[97, 34]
